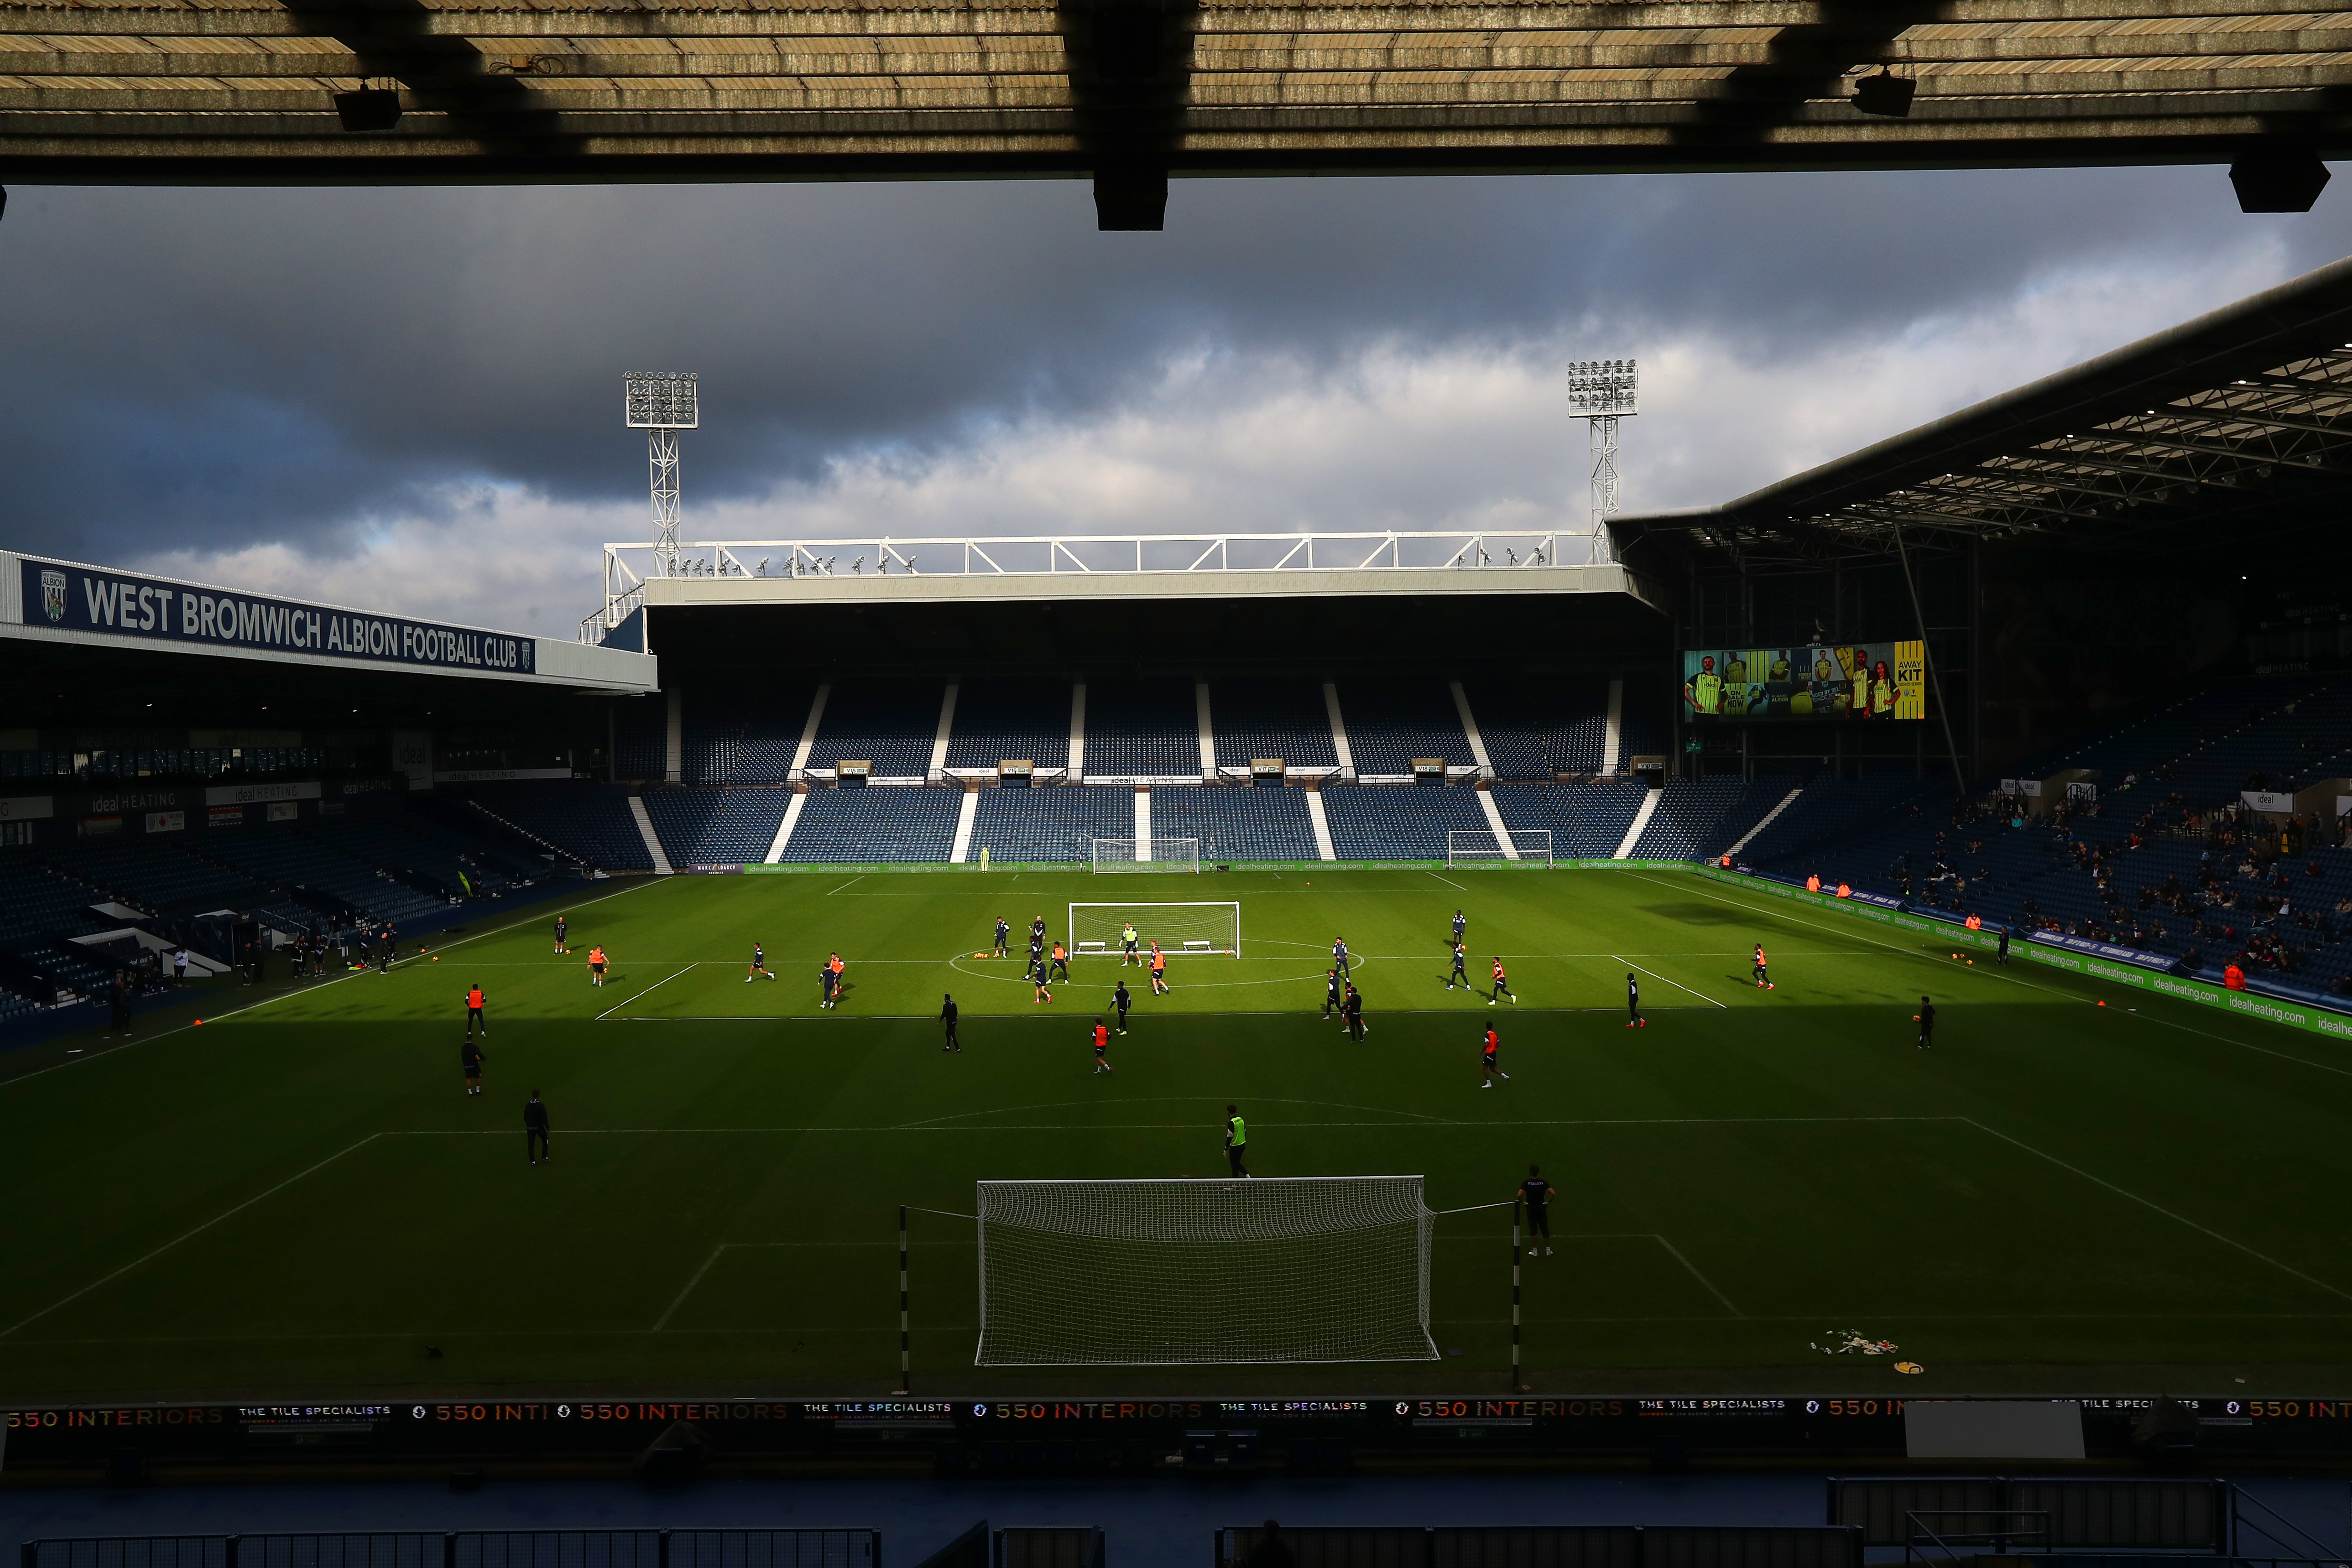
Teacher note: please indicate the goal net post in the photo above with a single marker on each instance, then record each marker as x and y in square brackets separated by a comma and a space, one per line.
[1467, 844]
[1194, 928]
[1146, 854]
[1204, 1272]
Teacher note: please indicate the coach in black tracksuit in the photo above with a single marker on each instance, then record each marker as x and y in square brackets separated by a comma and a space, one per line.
[948, 1016]
[534, 1129]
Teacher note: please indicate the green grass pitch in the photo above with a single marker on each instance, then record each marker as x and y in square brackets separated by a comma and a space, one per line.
[297, 1198]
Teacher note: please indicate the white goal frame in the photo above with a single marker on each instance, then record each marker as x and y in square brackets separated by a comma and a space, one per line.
[1483, 844]
[1216, 945]
[1144, 855]
[1204, 1272]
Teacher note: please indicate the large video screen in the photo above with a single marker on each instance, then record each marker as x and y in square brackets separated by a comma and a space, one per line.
[1863, 681]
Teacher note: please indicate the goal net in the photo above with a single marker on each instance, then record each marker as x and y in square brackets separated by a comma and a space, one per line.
[1468, 843]
[1147, 855]
[1199, 928]
[1314, 1268]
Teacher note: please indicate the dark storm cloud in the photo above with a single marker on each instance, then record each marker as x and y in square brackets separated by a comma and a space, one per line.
[214, 369]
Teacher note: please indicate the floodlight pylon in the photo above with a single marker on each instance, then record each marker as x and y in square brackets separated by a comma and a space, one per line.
[1602, 391]
[661, 403]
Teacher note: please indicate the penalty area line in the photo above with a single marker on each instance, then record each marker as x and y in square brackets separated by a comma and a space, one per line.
[646, 991]
[1676, 984]
[188, 1235]
[2151, 1204]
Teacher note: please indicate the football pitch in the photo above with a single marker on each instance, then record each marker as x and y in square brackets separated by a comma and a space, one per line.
[298, 1199]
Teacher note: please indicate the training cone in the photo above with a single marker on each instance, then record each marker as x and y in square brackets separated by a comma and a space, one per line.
[2103, 1004]
[200, 1023]
[436, 958]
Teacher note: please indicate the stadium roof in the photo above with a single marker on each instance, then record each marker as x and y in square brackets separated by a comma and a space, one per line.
[241, 91]
[2245, 411]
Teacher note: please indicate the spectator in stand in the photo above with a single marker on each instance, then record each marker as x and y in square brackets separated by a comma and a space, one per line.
[2233, 977]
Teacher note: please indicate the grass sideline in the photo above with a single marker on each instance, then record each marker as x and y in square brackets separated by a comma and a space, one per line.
[297, 1198]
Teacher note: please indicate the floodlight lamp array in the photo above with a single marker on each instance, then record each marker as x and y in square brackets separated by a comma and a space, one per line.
[661, 400]
[1601, 387]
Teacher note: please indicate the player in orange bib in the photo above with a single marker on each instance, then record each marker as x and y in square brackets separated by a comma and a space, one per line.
[1160, 986]
[596, 966]
[1763, 970]
[1102, 1046]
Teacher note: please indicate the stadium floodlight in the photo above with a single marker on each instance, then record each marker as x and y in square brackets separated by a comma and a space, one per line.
[1602, 391]
[1204, 1272]
[1203, 929]
[662, 403]
[1465, 845]
[1144, 854]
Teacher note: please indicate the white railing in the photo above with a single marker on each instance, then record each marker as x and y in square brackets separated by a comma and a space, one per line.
[627, 566]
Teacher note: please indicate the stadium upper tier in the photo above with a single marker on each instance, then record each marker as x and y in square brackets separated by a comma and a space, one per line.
[218, 91]
[1122, 568]
[2239, 419]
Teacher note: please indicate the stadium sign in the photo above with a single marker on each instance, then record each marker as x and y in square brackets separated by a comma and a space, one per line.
[115, 604]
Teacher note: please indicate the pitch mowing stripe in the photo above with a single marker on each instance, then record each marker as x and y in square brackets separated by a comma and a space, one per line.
[1813, 1318]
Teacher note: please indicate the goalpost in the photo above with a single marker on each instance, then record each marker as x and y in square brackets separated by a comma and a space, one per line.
[1177, 928]
[1468, 843]
[1146, 854]
[1204, 1272]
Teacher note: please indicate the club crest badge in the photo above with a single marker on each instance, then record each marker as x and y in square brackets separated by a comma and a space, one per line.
[53, 596]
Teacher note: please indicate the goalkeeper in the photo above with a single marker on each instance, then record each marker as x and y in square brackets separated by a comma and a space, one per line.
[1236, 1142]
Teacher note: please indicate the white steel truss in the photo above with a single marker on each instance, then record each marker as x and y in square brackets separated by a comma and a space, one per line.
[627, 566]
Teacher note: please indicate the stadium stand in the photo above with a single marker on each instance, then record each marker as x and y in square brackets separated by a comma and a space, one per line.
[1645, 723]
[1389, 725]
[1829, 811]
[1391, 823]
[1587, 820]
[1053, 824]
[890, 723]
[720, 827]
[1284, 719]
[153, 873]
[1236, 824]
[419, 848]
[1142, 729]
[589, 820]
[291, 860]
[996, 719]
[910, 825]
[773, 722]
[1536, 727]
[742, 738]
[1685, 818]
[640, 737]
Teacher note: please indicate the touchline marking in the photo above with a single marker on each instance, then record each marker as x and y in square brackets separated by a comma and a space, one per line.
[851, 883]
[184, 1235]
[646, 991]
[662, 1321]
[1676, 984]
[1450, 882]
[2159, 1208]
[1677, 1254]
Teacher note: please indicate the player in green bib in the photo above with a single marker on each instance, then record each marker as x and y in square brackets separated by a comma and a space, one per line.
[1236, 1140]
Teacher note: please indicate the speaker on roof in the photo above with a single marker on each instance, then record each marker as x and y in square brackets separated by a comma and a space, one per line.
[369, 108]
[2278, 182]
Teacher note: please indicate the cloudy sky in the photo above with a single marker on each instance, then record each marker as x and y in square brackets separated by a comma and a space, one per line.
[410, 399]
